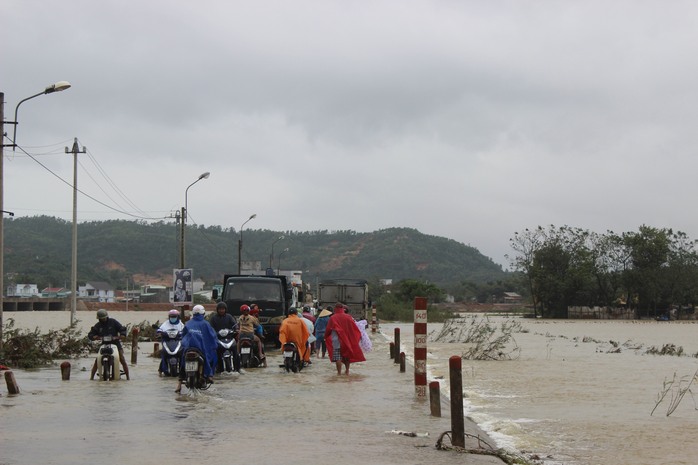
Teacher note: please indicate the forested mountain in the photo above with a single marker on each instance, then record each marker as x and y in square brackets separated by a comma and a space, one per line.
[38, 250]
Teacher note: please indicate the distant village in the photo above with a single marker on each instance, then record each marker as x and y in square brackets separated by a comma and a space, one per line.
[98, 291]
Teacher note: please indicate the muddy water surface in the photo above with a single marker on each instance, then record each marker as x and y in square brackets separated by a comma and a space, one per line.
[263, 416]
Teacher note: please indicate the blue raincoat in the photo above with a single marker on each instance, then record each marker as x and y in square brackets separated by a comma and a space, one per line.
[199, 334]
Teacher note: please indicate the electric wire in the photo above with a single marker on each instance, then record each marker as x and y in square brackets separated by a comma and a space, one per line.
[118, 210]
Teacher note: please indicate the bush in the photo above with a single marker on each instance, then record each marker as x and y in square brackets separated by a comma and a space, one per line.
[390, 308]
[31, 349]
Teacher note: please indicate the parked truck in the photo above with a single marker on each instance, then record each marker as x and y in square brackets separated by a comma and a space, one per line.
[353, 293]
[270, 292]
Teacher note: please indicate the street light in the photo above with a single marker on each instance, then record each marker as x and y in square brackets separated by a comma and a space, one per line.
[57, 87]
[271, 255]
[185, 214]
[253, 216]
[278, 263]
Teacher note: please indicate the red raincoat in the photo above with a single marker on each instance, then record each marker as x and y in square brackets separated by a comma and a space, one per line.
[349, 336]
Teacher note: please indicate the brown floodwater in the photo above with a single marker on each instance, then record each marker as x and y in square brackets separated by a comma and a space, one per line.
[265, 415]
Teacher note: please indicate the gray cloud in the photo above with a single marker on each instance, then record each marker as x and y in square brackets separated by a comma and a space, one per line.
[470, 120]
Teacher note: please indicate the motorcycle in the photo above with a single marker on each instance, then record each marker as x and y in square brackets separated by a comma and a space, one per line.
[292, 358]
[108, 365]
[226, 345]
[249, 352]
[194, 370]
[172, 345]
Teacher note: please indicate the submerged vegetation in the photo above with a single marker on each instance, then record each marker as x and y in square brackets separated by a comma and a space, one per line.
[483, 339]
[676, 390]
[23, 348]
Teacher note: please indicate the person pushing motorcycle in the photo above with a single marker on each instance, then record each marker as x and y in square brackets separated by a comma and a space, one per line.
[108, 327]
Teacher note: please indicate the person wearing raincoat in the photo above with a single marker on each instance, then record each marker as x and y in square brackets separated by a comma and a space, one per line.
[293, 329]
[199, 334]
[342, 338]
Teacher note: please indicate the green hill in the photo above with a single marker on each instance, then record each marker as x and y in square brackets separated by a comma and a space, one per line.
[38, 250]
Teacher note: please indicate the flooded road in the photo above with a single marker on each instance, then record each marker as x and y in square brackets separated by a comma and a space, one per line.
[265, 415]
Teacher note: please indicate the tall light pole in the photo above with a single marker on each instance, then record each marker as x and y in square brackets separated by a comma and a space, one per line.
[278, 262]
[185, 213]
[271, 255]
[57, 87]
[253, 216]
[74, 265]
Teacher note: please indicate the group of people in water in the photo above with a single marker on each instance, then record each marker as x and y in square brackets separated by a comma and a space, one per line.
[332, 332]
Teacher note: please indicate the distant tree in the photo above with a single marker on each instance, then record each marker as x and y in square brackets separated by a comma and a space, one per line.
[408, 289]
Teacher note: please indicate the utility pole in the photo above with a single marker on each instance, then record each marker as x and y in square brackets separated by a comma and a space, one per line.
[74, 267]
[2, 214]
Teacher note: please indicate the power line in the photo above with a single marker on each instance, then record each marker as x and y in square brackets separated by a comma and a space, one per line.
[123, 212]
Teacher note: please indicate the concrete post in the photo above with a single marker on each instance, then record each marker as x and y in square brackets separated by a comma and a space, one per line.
[457, 420]
[435, 399]
[65, 371]
[134, 346]
[420, 346]
[12, 387]
[374, 320]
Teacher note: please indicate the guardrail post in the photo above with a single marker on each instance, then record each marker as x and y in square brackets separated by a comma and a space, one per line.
[12, 387]
[435, 399]
[134, 346]
[65, 371]
[420, 346]
[397, 345]
[457, 419]
[402, 362]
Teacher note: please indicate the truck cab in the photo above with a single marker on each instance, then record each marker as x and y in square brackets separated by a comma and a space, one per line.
[270, 293]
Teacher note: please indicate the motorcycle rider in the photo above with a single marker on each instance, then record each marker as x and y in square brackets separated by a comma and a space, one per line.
[293, 329]
[108, 327]
[173, 322]
[310, 344]
[224, 320]
[254, 311]
[198, 334]
[248, 324]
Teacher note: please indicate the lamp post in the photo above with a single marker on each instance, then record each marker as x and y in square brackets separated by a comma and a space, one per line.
[271, 255]
[278, 262]
[57, 87]
[253, 216]
[185, 214]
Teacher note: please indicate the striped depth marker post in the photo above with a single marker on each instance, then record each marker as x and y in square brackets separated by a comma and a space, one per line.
[420, 346]
[374, 320]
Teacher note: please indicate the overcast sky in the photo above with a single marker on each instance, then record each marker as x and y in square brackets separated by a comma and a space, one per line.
[465, 119]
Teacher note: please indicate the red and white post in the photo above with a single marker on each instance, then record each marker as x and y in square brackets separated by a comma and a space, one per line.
[420, 346]
[374, 320]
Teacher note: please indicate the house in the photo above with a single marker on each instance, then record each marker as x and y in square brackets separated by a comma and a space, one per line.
[155, 293]
[198, 285]
[512, 298]
[23, 290]
[55, 293]
[97, 291]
